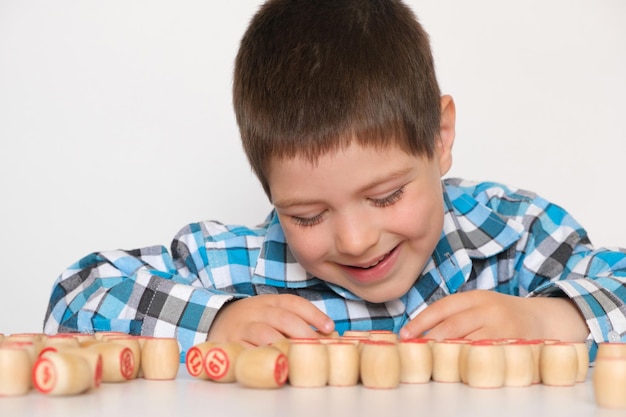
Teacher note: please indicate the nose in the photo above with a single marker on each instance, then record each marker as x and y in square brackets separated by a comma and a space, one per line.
[355, 233]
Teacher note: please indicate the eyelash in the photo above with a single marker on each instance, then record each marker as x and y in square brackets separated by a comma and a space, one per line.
[307, 221]
[390, 199]
[377, 202]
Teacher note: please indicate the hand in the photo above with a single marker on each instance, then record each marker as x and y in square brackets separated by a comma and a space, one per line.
[483, 314]
[263, 319]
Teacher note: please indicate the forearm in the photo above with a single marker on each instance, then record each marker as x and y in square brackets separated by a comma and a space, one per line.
[569, 267]
[602, 303]
[120, 291]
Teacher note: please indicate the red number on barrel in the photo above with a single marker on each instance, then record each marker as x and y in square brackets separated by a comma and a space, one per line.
[216, 363]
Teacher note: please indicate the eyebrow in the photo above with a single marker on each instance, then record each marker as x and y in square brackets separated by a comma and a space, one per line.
[288, 202]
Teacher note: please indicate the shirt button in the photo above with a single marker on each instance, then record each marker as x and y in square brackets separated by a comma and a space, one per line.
[614, 336]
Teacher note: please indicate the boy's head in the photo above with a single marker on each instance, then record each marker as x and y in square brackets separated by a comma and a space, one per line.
[311, 76]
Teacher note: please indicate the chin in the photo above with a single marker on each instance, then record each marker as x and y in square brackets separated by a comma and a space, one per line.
[380, 298]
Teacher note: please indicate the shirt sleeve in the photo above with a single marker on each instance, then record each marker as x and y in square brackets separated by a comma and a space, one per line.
[559, 260]
[150, 292]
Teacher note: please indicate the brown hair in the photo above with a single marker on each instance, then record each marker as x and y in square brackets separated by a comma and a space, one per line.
[311, 76]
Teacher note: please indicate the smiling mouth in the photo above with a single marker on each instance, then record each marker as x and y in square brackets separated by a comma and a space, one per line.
[373, 271]
[375, 263]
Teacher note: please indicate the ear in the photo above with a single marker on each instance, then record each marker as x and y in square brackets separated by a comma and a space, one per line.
[446, 134]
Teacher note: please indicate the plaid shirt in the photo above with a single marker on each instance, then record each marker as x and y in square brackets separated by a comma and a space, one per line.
[493, 238]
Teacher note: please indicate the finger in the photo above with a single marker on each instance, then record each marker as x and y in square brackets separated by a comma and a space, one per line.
[433, 315]
[308, 312]
[484, 334]
[459, 326]
[288, 323]
[260, 334]
[276, 324]
[497, 332]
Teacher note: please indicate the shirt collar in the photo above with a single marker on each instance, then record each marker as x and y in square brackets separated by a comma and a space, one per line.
[471, 230]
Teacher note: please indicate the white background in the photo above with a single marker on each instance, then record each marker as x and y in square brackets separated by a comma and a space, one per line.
[116, 124]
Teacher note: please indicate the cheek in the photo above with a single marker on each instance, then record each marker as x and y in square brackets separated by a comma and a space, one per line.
[307, 245]
[421, 219]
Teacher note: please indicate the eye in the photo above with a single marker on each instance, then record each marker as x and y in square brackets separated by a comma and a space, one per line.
[390, 199]
[308, 221]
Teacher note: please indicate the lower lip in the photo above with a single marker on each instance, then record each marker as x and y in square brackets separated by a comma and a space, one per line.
[376, 273]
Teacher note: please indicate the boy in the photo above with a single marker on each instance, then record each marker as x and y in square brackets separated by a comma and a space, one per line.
[343, 123]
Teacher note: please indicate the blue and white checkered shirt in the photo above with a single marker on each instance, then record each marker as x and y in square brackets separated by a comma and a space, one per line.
[493, 238]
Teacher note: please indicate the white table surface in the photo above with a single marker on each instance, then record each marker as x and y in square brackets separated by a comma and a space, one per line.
[187, 397]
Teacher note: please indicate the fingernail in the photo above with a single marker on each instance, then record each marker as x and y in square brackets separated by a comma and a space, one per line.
[329, 326]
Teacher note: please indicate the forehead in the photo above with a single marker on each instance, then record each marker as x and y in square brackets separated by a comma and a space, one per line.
[343, 171]
[312, 148]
